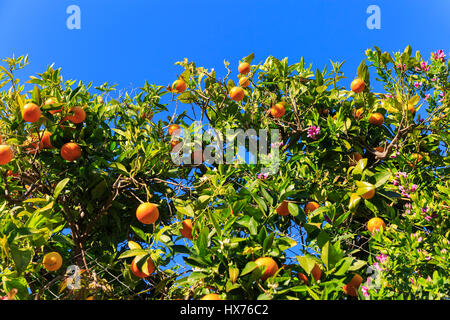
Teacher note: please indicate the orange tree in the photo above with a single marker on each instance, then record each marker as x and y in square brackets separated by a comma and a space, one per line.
[357, 206]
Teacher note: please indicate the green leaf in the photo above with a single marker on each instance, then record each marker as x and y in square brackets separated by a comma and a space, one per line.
[133, 253]
[119, 166]
[19, 283]
[99, 190]
[323, 238]
[306, 263]
[253, 227]
[293, 209]
[249, 58]
[234, 274]
[187, 97]
[360, 166]
[249, 267]
[21, 258]
[202, 241]
[141, 234]
[36, 96]
[382, 177]
[363, 187]
[59, 187]
[345, 265]
[357, 265]
[354, 201]
[268, 241]
[197, 275]
[339, 220]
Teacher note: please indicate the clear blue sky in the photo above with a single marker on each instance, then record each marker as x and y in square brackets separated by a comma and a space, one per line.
[127, 42]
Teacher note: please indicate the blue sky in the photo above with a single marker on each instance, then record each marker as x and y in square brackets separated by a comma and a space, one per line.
[127, 42]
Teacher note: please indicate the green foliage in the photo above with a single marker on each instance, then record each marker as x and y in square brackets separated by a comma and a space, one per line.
[85, 209]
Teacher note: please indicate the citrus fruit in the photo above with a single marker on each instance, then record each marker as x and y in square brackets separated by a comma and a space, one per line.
[147, 213]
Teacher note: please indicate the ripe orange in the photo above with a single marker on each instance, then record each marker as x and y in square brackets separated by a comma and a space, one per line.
[270, 264]
[147, 213]
[173, 128]
[411, 109]
[375, 224]
[303, 277]
[311, 206]
[45, 140]
[244, 68]
[376, 119]
[79, 115]
[186, 231]
[356, 281]
[283, 209]
[237, 94]
[369, 194]
[70, 151]
[211, 296]
[354, 158]
[31, 112]
[357, 85]
[277, 110]
[140, 274]
[316, 272]
[6, 154]
[244, 82]
[379, 149]
[179, 86]
[352, 287]
[52, 261]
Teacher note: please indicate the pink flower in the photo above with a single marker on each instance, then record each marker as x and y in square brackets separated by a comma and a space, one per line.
[438, 56]
[419, 240]
[365, 291]
[427, 96]
[424, 65]
[401, 67]
[382, 258]
[395, 182]
[262, 176]
[413, 187]
[428, 218]
[377, 266]
[401, 174]
[417, 84]
[313, 132]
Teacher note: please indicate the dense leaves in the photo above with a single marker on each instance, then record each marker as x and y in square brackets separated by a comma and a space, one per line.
[240, 211]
